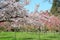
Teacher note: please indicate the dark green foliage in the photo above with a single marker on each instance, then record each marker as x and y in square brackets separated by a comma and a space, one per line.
[17, 0]
[2, 29]
[55, 7]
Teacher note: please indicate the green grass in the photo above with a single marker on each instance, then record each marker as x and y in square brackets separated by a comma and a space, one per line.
[29, 36]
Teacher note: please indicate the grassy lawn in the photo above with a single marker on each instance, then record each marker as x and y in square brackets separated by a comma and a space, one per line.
[29, 36]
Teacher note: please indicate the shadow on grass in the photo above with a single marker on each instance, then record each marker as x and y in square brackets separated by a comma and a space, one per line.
[5, 37]
[26, 38]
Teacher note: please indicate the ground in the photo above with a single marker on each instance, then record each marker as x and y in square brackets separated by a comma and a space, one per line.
[29, 36]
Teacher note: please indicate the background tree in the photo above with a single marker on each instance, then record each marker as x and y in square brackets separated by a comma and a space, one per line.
[55, 10]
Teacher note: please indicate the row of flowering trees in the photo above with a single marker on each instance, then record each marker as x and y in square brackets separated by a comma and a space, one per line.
[13, 16]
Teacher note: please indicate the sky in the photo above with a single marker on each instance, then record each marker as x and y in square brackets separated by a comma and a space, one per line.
[44, 5]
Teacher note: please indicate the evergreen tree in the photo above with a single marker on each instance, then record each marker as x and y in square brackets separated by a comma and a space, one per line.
[55, 10]
[55, 7]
